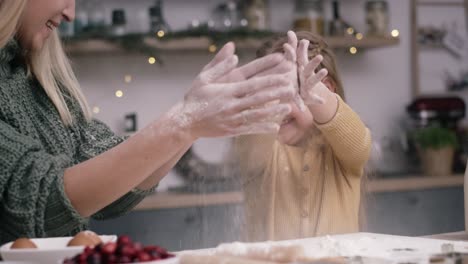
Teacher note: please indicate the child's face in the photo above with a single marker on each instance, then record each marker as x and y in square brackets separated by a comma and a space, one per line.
[295, 126]
[40, 18]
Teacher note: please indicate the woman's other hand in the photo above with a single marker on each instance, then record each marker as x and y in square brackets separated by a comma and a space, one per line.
[227, 101]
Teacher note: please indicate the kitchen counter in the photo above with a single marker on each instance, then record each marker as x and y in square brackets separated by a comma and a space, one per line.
[167, 200]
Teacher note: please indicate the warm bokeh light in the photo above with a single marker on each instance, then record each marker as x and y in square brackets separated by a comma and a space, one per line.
[395, 33]
[118, 93]
[161, 33]
[151, 60]
[350, 30]
[212, 48]
[96, 110]
[359, 36]
[128, 78]
[353, 50]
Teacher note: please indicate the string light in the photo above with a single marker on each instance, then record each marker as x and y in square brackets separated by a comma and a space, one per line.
[353, 50]
[161, 33]
[128, 78]
[359, 36]
[151, 60]
[350, 30]
[212, 48]
[395, 33]
[118, 93]
[96, 110]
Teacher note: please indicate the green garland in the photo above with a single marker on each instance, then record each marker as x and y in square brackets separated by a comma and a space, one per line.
[219, 37]
[136, 43]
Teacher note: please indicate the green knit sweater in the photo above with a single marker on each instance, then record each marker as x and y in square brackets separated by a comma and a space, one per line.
[35, 149]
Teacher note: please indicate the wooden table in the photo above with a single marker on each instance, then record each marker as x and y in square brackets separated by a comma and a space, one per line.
[458, 236]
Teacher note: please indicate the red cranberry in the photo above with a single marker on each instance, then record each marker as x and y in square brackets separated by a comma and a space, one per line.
[111, 259]
[109, 248]
[143, 256]
[154, 254]
[94, 258]
[81, 257]
[122, 240]
[125, 259]
[88, 250]
[138, 246]
[128, 250]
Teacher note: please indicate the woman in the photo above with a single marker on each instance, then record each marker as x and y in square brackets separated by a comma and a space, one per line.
[58, 167]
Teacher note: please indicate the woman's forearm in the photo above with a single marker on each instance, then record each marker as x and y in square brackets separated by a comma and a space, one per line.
[157, 175]
[99, 181]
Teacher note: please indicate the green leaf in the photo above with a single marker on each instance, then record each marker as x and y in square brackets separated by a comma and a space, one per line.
[435, 137]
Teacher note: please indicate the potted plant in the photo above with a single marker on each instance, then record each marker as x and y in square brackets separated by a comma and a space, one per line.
[436, 147]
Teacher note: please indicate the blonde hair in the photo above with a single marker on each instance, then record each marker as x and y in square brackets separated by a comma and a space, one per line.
[317, 46]
[50, 66]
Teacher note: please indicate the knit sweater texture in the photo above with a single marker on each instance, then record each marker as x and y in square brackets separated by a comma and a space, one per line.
[35, 149]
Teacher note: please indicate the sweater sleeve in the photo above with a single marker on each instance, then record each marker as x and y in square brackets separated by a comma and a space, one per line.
[349, 138]
[96, 138]
[33, 202]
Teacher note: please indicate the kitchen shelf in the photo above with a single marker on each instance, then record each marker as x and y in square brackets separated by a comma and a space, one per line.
[167, 200]
[104, 46]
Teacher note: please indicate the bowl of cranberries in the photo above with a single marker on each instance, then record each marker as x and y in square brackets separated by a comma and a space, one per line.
[123, 251]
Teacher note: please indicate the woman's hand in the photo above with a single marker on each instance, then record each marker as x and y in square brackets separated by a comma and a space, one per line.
[290, 55]
[229, 101]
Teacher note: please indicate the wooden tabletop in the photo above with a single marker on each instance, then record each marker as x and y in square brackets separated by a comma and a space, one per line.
[456, 236]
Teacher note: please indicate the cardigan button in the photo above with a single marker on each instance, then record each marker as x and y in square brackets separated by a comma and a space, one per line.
[304, 214]
[306, 168]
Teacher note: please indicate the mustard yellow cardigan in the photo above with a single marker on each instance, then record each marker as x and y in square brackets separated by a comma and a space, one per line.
[295, 192]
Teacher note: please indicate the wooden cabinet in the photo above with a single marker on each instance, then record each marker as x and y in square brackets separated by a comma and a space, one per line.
[416, 213]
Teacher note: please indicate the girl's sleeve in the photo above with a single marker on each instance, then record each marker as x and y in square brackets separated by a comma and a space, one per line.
[349, 138]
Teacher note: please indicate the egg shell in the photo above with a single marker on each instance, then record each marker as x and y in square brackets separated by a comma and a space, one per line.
[23, 243]
[85, 238]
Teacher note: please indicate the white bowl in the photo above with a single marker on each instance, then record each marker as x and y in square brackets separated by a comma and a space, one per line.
[49, 250]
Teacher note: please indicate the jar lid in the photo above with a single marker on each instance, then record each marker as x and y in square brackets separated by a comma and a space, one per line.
[303, 5]
[118, 17]
[371, 4]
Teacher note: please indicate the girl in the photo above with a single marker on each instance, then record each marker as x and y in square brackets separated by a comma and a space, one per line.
[305, 181]
[58, 167]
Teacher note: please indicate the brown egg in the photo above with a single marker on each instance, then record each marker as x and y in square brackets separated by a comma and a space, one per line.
[85, 238]
[23, 243]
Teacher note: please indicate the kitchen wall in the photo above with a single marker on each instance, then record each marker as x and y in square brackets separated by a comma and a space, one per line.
[377, 81]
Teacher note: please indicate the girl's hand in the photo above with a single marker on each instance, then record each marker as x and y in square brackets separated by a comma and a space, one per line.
[227, 101]
[312, 89]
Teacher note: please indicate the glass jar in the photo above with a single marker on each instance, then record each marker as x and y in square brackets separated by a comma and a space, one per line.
[158, 24]
[256, 13]
[119, 23]
[377, 18]
[81, 17]
[96, 16]
[226, 16]
[308, 16]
